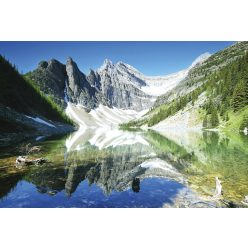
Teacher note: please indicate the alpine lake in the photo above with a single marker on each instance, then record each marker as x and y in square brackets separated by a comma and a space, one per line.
[98, 168]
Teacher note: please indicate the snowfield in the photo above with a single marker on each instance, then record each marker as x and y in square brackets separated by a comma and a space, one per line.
[102, 116]
[157, 86]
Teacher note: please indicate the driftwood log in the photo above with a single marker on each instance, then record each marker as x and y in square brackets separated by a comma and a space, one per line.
[212, 200]
[23, 160]
[34, 149]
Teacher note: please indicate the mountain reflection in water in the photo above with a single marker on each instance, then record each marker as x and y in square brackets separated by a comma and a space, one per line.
[114, 168]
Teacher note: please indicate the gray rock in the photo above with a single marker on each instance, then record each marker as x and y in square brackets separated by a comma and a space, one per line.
[50, 77]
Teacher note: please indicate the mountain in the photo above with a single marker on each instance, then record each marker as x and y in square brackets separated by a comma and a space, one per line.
[214, 94]
[121, 86]
[24, 110]
[114, 85]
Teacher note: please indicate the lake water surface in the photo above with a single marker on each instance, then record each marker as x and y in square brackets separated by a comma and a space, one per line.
[114, 168]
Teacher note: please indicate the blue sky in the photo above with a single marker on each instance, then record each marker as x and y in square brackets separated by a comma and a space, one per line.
[151, 58]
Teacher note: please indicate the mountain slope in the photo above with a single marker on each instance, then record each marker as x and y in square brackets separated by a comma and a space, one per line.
[199, 74]
[213, 94]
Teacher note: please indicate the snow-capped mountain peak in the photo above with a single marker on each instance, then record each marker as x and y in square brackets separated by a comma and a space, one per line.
[127, 67]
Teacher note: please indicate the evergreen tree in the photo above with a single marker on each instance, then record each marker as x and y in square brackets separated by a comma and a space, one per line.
[246, 92]
[226, 117]
[239, 96]
[244, 123]
[214, 118]
[222, 111]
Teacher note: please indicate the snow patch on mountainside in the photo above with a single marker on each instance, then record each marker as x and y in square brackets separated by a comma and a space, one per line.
[157, 86]
[102, 116]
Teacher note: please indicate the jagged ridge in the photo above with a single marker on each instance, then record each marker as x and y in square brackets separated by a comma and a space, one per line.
[115, 85]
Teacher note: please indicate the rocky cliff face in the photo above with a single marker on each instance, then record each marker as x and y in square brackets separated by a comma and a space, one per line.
[122, 88]
[111, 85]
[65, 83]
[79, 89]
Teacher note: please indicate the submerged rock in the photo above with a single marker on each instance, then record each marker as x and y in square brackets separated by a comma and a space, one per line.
[23, 160]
